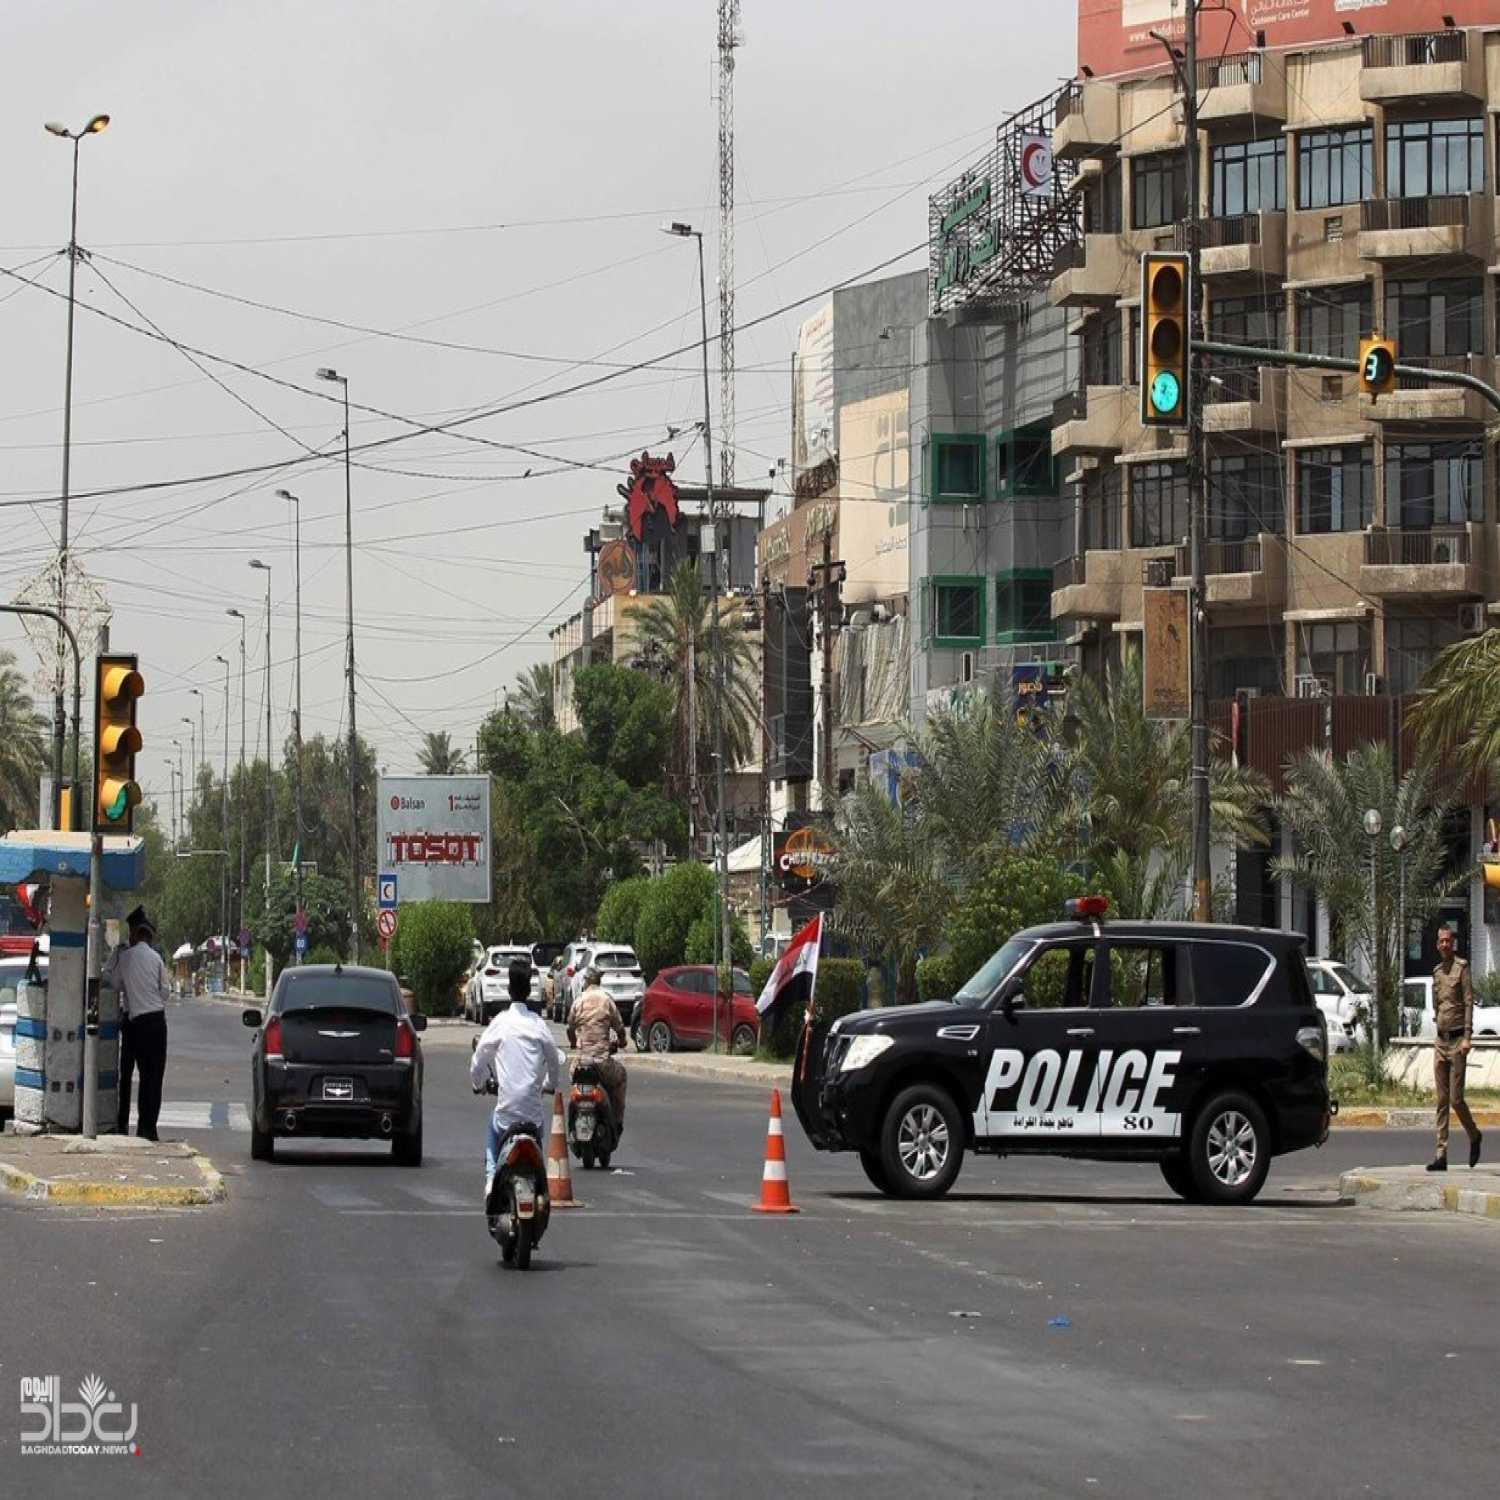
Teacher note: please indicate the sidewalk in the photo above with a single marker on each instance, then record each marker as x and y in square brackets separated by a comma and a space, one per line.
[1414, 1189]
[114, 1171]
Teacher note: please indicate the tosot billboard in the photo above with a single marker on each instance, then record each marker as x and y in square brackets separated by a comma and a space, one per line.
[433, 834]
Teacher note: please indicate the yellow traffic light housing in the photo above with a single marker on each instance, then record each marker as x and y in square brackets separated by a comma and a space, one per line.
[117, 688]
[1377, 367]
[1166, 306]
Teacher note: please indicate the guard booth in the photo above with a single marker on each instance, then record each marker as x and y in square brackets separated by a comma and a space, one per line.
[50, 1013]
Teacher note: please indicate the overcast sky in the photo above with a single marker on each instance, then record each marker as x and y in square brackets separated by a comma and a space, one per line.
[487, 174]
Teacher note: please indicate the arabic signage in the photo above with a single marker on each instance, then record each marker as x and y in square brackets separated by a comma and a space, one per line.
[433, 835]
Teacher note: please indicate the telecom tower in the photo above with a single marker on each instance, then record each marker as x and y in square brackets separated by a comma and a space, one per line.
[729, 39]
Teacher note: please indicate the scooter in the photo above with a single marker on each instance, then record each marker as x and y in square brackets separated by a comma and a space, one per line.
[517, 1208]
[592, 1131]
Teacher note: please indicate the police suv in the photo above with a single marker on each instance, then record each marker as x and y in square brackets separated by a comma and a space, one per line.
[1195, 1046]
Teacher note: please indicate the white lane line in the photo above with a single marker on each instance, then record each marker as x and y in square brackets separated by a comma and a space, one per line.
[441, 1197]
[331, 1195]
[180, 1115]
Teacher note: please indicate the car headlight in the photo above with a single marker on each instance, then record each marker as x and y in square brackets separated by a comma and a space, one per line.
[863, 1050]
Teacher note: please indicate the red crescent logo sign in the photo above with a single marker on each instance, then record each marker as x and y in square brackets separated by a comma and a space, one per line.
[1035, 173]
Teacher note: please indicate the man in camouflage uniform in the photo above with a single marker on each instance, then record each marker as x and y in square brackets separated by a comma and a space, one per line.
[1453, 1007]
[592, 1021]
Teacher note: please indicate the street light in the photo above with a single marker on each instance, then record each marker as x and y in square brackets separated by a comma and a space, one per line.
[235, 614]
[722, 940]
[224, 825]
[173, 773]
[337, 379]
[1399, 840]
[296, 505]
[265, 568]
[94, 126]
[1374, 823]
[193, 761]
[202, 731]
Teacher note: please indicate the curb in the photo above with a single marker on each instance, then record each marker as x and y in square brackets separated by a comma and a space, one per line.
[1366, 1117]
[115, 1194]
[1411, 1196]
[745, 1074]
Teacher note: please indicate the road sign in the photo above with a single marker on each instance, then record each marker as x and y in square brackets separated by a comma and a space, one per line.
[385, 924]
[300, 923]
[300, 942]
[386, 894]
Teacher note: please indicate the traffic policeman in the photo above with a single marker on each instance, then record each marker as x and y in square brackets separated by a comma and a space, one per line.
[136, 970]
[1453, 1006]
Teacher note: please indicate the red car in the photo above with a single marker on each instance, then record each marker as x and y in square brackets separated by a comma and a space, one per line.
[678, 1011]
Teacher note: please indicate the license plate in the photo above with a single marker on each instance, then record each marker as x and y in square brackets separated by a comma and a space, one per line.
[338, 1088]
[583, 1126]
[525, 1199]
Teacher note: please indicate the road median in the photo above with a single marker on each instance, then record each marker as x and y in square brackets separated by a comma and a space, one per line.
[109, 1172]
[1416, 1190]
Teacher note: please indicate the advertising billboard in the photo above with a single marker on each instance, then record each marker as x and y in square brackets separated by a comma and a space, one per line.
[1168, 682]
[432, 833]
[1114, 35]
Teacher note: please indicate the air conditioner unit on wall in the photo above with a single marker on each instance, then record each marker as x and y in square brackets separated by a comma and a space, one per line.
[1471, 619]
[1156, 572]
[1374, 684]
[1314, 687]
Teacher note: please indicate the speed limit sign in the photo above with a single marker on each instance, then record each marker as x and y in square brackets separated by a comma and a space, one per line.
[385, 924]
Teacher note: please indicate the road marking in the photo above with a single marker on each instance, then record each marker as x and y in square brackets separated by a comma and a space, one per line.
[331, 1195]
[203, 1114]
[441, 1197]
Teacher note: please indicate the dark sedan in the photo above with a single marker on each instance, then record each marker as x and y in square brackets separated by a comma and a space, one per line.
[336, 1055]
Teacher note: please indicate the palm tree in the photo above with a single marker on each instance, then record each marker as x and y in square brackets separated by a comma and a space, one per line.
[23, 748]
[439, 756]
[675, 633]
[533, 698]
[1459, 708]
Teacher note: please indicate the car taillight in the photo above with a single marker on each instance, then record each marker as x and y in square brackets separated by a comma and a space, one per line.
[490, 973]
[406, 1042]
[273, 1038]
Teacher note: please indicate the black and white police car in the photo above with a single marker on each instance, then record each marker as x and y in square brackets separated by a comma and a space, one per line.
[1196, 1046]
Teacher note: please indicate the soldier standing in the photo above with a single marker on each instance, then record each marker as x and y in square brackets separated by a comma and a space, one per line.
[1453, 1006]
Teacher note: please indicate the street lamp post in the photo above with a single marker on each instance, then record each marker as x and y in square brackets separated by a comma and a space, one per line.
[297, 853]
[1399, 840]
[202, 730]
[94, 126]
[238, 615]
[722, 941]
[224, 825]
[181, 789]
[172, 784]
[1373, 825]
[354, 902]
[265, 568]
[187, 806]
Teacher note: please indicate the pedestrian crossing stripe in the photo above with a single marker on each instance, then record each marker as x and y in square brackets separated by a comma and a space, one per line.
[204, 1114]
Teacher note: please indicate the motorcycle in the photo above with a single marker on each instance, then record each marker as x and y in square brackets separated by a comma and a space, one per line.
[517, 1208]
[592, 1131]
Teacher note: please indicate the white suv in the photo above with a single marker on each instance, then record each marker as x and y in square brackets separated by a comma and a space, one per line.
[620, 978]
[1342, 998]
[489, 985]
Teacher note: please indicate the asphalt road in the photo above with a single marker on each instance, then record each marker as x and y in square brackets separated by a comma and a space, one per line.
[343, 1326]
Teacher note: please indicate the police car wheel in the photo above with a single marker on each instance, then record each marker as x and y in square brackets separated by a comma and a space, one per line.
[922, 1142]
[875, 1170]
[1230, 1150]
[1174, 1171]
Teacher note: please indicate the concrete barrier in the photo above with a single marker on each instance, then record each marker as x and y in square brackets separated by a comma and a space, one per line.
[1408, 1062]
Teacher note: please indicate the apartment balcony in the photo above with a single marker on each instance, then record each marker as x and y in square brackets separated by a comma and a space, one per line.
[1087, 120]
[1457, 227]
[1418, 403]
[1445, 65]
[1438, 562]
[1242, 90]
[1089, 586]
[1093, 272]
[1250, 572]
[1244, 398]
[1240, 245]
[1094, 424]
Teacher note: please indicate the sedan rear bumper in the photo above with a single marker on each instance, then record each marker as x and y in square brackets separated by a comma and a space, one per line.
[381, 1100]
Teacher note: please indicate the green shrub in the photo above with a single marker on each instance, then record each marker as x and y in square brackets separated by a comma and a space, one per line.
[760, 971]
[620, 910]
[323, 954]
[1021, 890]
[699, 948]
[1487, 988]
[670, 905]
[435, 942]
[937, 977]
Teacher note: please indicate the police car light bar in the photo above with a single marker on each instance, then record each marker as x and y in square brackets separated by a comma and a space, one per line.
[1086, 908]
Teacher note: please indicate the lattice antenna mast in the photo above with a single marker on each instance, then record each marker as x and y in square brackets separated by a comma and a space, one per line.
[729, 39]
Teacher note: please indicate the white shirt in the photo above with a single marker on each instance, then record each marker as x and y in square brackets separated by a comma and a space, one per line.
[136, 970]
[517, 1047]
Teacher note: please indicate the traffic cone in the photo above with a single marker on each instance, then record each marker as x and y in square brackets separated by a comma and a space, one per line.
[559, 1178]
[775, 1192]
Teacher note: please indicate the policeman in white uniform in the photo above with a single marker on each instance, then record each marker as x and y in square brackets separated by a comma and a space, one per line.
[137, 973]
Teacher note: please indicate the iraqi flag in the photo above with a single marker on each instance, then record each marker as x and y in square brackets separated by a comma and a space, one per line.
[796, 971]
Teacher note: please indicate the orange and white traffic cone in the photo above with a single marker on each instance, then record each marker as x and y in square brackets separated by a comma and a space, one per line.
[775, 1191]
[559, 1178]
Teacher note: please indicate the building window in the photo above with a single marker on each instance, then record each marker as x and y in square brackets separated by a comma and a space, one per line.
[1248, 320]
[1023, 462]
[1434, 484]
[1335, 489]
[1244, 498]
[1333, 319]
[1101, 203]
[957, 468]
[1247, 177]
[1411, 647]
[1338, 654]
[1023, 606]
[1099, 528]
[1431, 319]
[1335, 166]
[959, 611]
[1158, 189]
[1103, 350]
[1434, 158]
[1244, 656]
[1158, 504]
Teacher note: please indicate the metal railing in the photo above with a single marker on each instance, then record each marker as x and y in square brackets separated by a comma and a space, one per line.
[1229, 72]
[1229, 382]
[1217, 234]
[1393, 547]
[1447, 211]
[1068, 572]
[1416, 49]
[1461, 362]
[1243, 556]
[1069, 103]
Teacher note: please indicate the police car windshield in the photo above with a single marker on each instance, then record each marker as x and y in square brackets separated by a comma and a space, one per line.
[985, 982]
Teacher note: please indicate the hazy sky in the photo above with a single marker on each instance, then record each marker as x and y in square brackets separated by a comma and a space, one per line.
[486, 174]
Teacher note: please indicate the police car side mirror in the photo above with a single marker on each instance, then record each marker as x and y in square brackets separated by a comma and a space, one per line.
[250, 1017]
[1010, 1004]
[419, 1023]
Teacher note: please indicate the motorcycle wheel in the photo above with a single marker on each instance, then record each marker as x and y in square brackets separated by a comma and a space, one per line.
[587, 1154]
[604, 1160]
[508, 1249]
[523, 1245]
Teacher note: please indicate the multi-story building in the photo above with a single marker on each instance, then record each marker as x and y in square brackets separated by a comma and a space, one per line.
[1348, 182]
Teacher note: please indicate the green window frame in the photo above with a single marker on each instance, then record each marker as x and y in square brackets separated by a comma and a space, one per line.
[1023, 606]
[942, 613]
[944, 444]
[1024, 464]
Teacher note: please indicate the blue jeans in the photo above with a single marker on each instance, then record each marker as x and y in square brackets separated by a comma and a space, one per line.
[492, 1133]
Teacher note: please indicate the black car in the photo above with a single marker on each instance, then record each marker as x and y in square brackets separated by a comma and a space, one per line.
[1196, 1046]
[336, 1055]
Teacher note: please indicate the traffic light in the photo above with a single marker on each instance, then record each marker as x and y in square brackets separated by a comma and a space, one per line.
[1377, 367]
[1166, 304]
[117, 688]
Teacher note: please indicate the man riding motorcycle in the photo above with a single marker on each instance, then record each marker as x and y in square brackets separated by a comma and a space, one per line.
[592, 1021]
[518, 1050]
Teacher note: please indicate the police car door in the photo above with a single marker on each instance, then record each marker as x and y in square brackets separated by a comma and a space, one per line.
[1150, 1043]
[1042, 1048]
